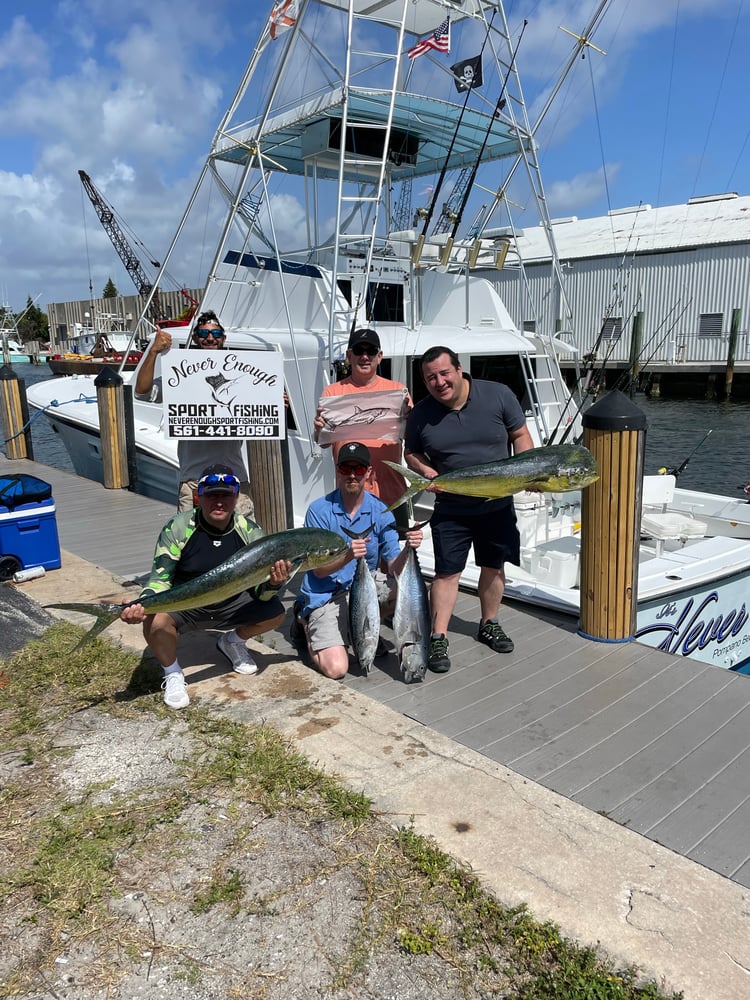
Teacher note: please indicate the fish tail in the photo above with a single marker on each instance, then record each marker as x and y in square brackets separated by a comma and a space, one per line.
[105, 614]
[416, 483]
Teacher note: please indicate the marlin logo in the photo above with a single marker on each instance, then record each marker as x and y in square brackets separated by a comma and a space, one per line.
[221, 388]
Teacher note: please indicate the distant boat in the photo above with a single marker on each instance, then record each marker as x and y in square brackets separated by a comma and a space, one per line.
[14, 352]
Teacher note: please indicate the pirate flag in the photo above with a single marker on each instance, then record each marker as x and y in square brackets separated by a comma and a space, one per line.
[467, 74]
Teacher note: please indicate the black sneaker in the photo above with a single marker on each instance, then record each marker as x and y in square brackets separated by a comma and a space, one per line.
[492, 635]
[297, 635]
[438, 661]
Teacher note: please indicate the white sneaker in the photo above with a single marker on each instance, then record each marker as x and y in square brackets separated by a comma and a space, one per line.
[175, 690]
[238, 654]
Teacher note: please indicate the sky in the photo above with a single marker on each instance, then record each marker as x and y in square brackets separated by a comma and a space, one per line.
[132, 91]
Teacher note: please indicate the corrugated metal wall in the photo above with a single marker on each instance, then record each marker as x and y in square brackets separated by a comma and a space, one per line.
[672, 290]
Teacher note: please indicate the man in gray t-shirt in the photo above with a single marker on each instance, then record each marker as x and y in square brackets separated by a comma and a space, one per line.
[465, 422]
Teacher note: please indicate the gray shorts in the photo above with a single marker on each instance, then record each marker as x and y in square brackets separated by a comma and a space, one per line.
[328, 625]
[186, 498]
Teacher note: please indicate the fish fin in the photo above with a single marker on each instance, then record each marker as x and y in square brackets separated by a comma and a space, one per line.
[358, 534]
[105, 614]
[416, 483]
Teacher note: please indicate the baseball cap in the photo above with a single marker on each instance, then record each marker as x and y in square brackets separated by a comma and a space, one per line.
[218, 479]
[364, 337]
[353, 451]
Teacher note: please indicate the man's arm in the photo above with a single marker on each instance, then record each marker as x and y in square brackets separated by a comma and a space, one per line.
[144, 382]
[418, 462]
[520, 440]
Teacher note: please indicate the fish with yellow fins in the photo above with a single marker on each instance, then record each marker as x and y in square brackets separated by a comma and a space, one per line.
[555, 469]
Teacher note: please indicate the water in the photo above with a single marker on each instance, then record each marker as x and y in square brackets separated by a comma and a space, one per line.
[675, 428]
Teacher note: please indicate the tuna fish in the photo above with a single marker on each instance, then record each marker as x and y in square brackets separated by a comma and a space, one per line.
[412, 623]
[364, 615]
[305, 548]
[554, 469]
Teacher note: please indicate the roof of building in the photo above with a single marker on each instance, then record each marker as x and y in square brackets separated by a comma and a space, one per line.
[704, 221]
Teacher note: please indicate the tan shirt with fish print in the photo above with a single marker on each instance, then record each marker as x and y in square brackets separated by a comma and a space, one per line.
[384, 482]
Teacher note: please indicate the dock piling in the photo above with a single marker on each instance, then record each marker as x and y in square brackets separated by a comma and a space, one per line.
[14, 412]
[113, 426]
[614, 432]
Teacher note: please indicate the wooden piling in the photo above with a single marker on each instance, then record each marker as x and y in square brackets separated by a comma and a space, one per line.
[267, 484]
[732, 351]
[113, 428]
[636, 346]
[614, 432]
[14, 411]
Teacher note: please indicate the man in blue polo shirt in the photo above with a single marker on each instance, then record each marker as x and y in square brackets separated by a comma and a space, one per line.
[322, 607]
[463, 422]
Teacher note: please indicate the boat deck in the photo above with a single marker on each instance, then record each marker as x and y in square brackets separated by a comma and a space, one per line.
[657, 743]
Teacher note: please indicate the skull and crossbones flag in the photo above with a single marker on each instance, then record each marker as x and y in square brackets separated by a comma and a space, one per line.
[467, 74]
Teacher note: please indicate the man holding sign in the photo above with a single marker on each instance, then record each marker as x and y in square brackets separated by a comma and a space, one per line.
[377, 404]
[195, 455]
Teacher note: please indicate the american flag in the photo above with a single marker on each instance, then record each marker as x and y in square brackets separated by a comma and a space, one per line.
[440, 40]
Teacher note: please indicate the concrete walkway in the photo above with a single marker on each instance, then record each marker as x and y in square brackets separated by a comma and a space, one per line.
[683, 925]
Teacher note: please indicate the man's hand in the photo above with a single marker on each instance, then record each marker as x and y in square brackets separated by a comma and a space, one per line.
[133, 614]
[358, 548]
[414, 538]
[162, 341]
[280, 573]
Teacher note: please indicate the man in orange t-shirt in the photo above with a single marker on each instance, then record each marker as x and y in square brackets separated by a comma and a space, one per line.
[364, 355]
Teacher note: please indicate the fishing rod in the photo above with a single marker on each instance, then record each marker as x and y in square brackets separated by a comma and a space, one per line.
[681, 468]
[501, 102]
[620, 381]
[419, 245]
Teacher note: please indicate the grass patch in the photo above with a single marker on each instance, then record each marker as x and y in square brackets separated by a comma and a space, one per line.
[243, 837]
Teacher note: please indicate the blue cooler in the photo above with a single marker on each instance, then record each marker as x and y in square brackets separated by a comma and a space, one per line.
[28, 526]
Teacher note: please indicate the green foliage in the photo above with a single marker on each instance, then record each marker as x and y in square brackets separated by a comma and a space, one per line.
[110, 290]
[33, 324]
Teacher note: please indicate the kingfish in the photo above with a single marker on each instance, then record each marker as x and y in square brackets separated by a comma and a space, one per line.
[305, 548]
[554, 469]
[364, 615]
[412, 623]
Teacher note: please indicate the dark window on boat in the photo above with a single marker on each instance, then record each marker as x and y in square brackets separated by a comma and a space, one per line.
[612, 328]
[709, 324]
[493, 367]
[385, 302]
[345, 287]
[529, 326]
[504, 368]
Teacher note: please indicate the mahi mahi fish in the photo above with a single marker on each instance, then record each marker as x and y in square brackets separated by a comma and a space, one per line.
[412, 624]
[305, 548]
[555, 469]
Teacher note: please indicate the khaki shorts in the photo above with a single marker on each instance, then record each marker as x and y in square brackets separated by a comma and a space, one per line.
[186, 498]
[328, 625]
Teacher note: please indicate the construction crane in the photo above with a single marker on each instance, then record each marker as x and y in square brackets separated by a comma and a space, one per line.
[122, 246]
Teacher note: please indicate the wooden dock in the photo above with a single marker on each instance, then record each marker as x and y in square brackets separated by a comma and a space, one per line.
[658, 743]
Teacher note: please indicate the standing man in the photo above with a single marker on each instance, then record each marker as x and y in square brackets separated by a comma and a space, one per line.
[363, 356]
[193, 456]
[322, 610]
[463, 422]
[194, 542]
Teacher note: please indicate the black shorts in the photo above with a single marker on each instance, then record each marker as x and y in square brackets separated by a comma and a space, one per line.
[494, 536]
[239, 611]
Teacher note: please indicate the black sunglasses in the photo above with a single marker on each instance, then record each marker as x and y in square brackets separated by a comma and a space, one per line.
[361, 349]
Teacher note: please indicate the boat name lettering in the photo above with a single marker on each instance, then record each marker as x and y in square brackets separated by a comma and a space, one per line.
[233, 364]
[694, 629]
[187, 368]
[667, 611]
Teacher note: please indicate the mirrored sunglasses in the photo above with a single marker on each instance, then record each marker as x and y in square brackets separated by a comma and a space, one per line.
[204, 334]
[367, 349]
[353, 469]
[230, 483]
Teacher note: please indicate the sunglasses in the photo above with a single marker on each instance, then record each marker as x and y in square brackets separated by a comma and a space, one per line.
[218, 479]
[361, 349]
[203, 334]
[352, 469]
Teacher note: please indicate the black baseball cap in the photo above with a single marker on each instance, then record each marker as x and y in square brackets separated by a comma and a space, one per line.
[364, 337]
[353, 451]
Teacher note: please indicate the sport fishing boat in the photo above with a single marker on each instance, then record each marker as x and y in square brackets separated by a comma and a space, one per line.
[347, 113]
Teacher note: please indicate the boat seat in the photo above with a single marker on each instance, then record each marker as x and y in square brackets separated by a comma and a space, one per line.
[661, 524]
